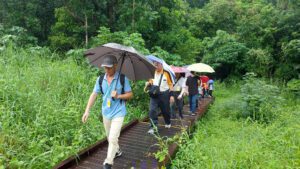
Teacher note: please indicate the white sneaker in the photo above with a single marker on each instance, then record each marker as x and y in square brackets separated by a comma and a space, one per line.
[168, 126]
[118, 153]
[151, 131]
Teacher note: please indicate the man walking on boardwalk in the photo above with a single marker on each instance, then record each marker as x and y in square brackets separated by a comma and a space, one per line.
[114, 92]
[161, 79]
[192, 85]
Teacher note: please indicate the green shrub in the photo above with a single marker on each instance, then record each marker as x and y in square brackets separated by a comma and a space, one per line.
[260, 100]
[223, 141]
[42, 99]
[294, 86]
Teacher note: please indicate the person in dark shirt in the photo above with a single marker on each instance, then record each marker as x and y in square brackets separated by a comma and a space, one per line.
[192, 85]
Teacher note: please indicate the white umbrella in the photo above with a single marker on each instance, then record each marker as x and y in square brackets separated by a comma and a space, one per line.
[200, 67]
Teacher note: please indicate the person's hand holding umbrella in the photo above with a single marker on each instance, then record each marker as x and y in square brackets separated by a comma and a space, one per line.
[136, 66]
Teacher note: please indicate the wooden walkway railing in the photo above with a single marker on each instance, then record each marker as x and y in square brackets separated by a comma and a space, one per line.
[137, 145]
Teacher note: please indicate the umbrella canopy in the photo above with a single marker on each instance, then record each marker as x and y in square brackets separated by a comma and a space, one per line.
[188, 73]
[200, 67]
[130, 62]
[204, 79]
[166, 67]
[177, 69]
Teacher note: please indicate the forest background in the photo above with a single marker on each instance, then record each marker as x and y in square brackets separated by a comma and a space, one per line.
[45, 80]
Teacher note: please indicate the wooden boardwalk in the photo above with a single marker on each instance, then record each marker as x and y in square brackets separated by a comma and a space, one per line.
[136, 144]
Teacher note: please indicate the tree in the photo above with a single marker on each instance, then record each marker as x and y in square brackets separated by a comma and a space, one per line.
[136, 16]
[65, 34]
[135, 39]
[28, 15]
[171, 59]
[181, 42]
[225, 54]
[259, 61]
[257, 26]
[291, 57]
[221, 14]
[17, 36]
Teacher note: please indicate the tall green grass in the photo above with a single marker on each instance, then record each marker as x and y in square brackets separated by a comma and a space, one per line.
[42, 99]
[225, 140]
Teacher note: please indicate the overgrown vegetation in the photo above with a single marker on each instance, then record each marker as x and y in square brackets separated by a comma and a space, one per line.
[260, 100]
[45, 81]
[42, 101]
[225, 140]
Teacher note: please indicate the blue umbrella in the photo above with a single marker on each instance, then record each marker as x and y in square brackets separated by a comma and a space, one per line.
[165, 66]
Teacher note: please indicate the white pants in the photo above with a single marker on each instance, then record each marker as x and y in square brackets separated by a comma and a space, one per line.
[112, 130]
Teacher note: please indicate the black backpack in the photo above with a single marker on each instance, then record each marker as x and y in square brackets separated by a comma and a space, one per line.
[122, 80]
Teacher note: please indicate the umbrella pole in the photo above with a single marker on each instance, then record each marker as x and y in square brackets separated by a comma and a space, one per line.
[123, 58]
[122, 61]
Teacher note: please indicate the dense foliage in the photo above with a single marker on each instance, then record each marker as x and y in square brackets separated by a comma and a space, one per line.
[45, 81]
[234, 36]
[42, 100]
[225, 140]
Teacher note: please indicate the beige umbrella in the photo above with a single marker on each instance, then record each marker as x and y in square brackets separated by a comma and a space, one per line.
[200, 67]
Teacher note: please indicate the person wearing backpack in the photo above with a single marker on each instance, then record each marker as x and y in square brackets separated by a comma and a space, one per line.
[163, 82]
[115, 90]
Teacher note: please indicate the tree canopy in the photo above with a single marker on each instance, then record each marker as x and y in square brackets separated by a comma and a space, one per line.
[233, 36]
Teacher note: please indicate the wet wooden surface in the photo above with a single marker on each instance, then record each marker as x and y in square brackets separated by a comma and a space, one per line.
[136, 144]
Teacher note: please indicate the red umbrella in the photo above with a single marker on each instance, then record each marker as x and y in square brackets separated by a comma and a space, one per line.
[204, 79]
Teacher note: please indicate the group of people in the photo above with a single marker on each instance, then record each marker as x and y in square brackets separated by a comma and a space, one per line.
[115, 90]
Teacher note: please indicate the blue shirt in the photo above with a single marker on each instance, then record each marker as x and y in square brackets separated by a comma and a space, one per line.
[116, 108]
[211, 84]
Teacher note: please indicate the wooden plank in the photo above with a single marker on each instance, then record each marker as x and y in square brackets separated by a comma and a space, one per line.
[137, 145]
